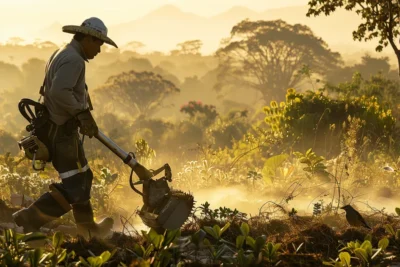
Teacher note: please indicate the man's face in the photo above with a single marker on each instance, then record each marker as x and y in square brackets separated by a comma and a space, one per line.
[92, 46]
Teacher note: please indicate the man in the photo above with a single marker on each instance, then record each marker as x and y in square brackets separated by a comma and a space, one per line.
[68, 103]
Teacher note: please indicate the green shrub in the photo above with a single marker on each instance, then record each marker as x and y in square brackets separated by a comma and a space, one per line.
[313, 120]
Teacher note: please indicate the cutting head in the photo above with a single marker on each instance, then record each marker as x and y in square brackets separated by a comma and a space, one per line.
[163, 207]
[171, 213]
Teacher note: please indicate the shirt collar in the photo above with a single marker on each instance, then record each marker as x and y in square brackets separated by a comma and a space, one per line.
[78, 47]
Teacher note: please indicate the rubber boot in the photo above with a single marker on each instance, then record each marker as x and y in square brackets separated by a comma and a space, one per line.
[86, 226]
[42, 211]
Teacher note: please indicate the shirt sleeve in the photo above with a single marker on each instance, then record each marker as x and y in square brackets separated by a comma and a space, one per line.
[63, 82]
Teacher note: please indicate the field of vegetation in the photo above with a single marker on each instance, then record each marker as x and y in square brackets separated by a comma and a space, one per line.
[272, 134]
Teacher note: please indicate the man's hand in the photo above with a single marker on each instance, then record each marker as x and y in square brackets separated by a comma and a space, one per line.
[87, 125]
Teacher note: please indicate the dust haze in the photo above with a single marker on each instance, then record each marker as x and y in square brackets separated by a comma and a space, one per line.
[208, 126]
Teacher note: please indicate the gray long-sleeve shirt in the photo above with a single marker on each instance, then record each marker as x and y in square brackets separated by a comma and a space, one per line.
[65, 93]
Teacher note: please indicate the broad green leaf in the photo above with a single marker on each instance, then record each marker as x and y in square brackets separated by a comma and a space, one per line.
[95, 261]
[61, 256]
[259, 244]
[155, 238]
[361, 254]
[241, 261]
[211, 232]
[217, 230]
[226, 226]
[270, 248]
[239, 241]
[397, 211]
[164, 258]
[170, 236]
[390, 229]
[250, 241]
[34, 237]
[148, 251]
[276, 247]
[305, 160]
[367, 246]
[383, 243]
[58, 239]
[34, 257]
[138, 249]
[105, 256]
[345, 258]
[17, 236]
[298, 154]
[270, 166]
[245, 229]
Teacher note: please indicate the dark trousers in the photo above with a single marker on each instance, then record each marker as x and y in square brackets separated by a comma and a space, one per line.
[73, 192]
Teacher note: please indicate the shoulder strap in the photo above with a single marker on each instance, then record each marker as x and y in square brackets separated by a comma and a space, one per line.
[41, 91]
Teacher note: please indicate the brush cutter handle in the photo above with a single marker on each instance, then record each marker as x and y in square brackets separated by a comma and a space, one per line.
[127, 158]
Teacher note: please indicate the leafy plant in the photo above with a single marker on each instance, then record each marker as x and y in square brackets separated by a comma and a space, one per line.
[314, 120]
[364, 252]
[222, 213]
[216, 231]
[96, 261]
[159, 249]
[315, 165]
[271, 252]
[271, 165]
[14, 250]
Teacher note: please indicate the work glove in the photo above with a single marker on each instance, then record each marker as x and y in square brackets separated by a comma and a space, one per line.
[87, 125]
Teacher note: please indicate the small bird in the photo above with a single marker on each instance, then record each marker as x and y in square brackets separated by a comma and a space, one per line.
[354, 218]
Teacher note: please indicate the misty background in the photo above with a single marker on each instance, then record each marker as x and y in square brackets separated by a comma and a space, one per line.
[177, 83]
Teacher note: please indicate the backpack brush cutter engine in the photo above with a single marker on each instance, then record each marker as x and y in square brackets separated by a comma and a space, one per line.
[163, 208]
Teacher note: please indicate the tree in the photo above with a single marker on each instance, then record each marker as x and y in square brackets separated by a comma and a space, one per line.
[204, 114]
[380, 19]
[265, 56]
[15, 41]
[134, 46]
[386, 91]
[190, 47]
[130, 91]
[368, 67]
[33, 71]
[10, 76]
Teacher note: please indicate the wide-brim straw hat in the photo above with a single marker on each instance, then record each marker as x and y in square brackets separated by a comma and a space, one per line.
[92, 26]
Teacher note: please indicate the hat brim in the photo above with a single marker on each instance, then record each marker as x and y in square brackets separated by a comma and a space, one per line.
[74, 29]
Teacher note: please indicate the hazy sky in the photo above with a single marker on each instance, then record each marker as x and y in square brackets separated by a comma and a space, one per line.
[21, 17]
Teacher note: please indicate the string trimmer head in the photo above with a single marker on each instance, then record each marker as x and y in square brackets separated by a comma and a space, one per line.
[163, 208]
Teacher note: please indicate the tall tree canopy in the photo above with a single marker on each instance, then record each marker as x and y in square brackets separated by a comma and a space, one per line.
[266, 56]
[380, 19]
[131, 92]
